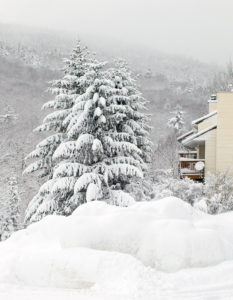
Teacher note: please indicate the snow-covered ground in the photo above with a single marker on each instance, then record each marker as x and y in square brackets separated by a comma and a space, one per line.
[162, 249]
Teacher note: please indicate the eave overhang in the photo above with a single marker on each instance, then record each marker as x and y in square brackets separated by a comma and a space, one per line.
[199, 138]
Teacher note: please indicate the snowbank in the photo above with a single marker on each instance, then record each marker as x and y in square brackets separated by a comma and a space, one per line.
[114, 246]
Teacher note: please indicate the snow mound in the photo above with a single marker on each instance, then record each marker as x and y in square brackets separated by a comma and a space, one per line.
[106, 244]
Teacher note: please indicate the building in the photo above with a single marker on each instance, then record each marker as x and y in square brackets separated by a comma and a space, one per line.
[209, 145]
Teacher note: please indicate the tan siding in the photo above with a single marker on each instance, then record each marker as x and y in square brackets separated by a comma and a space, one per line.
[207, 123]
[224, 151]
[210, 152]
[212, 106]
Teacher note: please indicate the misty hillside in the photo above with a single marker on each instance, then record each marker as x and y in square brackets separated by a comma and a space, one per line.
[29, 59]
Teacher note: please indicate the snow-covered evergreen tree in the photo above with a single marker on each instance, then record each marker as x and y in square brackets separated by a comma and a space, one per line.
[66, 91]
[124, 79]
[11, 217]
[136, 119]
[107, 145]
[177, 121]
[44, 202]
[8, 117]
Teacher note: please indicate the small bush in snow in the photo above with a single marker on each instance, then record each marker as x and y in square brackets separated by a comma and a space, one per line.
[140, 189]
[213, 197]
[186, 189]
[120, 198]
[218, 192]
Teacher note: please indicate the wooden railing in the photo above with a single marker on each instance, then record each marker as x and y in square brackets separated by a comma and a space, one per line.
[187, 168]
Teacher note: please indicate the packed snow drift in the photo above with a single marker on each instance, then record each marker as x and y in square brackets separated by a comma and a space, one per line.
[116, 247]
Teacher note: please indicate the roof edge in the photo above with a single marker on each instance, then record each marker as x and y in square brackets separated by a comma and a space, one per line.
[197, 121]
[184, 135]
[189, 139]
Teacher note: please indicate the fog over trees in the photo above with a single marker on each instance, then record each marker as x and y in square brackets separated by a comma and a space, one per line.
[29, 59]
[116, 178]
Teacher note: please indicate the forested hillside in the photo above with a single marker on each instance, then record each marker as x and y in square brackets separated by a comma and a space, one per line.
[29, 59]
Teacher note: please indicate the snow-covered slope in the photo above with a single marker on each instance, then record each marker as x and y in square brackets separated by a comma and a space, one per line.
[161, 247]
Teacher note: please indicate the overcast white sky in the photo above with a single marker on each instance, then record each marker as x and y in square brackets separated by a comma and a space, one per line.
[201, 29]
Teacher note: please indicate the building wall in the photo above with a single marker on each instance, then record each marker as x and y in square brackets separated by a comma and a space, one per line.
[212, 106]
[207, 123]
[210, 152]
[224, 146]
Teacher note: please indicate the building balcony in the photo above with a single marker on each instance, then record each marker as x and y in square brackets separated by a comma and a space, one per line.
[190, 166]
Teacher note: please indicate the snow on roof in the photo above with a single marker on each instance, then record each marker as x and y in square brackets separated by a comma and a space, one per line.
[186, 151]
[204, 117]
[190, 159]
[189, 139]
[184, 135]
[212, 101]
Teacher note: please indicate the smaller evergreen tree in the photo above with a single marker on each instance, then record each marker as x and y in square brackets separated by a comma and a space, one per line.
[8, 117]
[177, 121]
[11, 217]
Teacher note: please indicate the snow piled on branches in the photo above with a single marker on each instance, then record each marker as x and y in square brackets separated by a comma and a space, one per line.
[10, 210]
[102, 143]
[66, 91]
